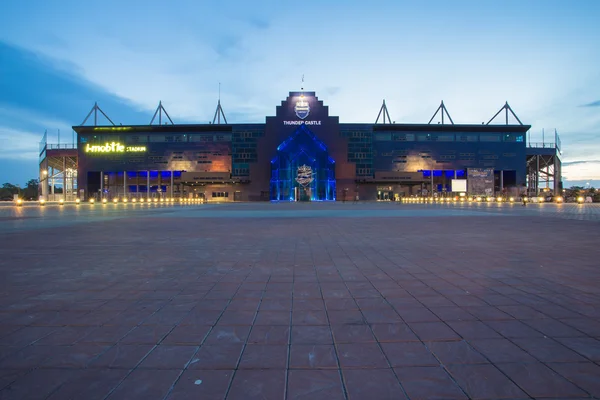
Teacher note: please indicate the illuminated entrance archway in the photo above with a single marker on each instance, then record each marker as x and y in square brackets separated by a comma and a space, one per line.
[302, 169]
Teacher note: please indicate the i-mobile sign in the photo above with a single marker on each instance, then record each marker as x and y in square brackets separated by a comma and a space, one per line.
[113, 148]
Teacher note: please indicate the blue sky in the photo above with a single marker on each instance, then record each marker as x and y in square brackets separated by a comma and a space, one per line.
[57, 58]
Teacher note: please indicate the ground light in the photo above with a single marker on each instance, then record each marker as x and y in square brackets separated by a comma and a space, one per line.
[115, 201]
[559, 199]
[124, 199]
[77, 201]
[42, 202]
[512, 199]
[104, 201]
[580, 199]
[19, 202]
[92, 201]
[133, 200]
[61, 202]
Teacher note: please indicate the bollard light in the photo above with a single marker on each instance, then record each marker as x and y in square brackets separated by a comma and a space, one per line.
[42, 202]
[19, 202]
[61, 202]
[77, 201]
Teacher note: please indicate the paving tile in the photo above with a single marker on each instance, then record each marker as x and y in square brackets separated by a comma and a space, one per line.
[314, 384]
[75, 356]
[308, 305]
[309, 317]
[273, 318]
[455, 352]
[90, 384]
[394, 333]
[145, 384]
[361, 355]
[540, 381]
[275, 304]
[201, 384]
[416, 314]
[257, 384]
[26, 335]
[587, 347]
[187, 335]
[346, 317]
[37, 384]
[217, 356]
[485, 381]
[382, 316]
[106, 334]
[553, 328]
[514, 329]
[379, 384]
[430, 331]
[501, 350]
[237, 317]
[228, 334]
[167, 356]
[201, 317]
[584, 375]
[123, 356]
[66, 335]
[473, 330]
[313, 356]
[259, 356]
[306, 334]
[588, 326]
[452, 313]
[408, 354]
[428, 383]
[352, 333]
[8, 376]
[263, 334]
[548, 350]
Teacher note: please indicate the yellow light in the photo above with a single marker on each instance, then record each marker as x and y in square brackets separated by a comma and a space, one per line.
[61, 202]
[580, 199]
[42, 202]
[133, 200]
[478, 199]
[92, 201]
[559, 199]
[124, 199]
[155, 200]
[142, 200]
[104, 201]
[500, 199]
[162, 200]
[149, 200]
[19, 202]
[511, 199]
[541, 199]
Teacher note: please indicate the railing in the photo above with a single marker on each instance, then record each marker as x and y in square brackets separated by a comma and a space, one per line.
[540, 145]
[61, 146]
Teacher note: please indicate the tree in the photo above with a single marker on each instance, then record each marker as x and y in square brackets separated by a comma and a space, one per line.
[31, 191]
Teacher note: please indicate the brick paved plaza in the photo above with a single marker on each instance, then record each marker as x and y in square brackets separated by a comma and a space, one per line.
[300, 301]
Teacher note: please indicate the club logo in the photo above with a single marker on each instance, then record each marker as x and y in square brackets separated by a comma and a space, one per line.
[304, 175]
[302, 108]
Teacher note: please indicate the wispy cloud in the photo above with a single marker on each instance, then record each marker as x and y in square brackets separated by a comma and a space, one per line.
[592, 104]
[16, 144]
[579, 162]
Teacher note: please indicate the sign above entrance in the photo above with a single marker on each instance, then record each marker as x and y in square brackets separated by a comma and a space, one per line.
[302, 108]
[113, 148]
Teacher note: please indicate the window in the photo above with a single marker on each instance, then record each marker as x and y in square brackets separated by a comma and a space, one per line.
[423, 137]
[489, 137]
[444, 137]
[220, 194]
[468, 138]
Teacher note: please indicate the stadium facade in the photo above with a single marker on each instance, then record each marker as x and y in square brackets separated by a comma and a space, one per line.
[301, 153]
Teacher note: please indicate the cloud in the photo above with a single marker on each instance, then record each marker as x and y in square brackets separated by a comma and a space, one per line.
[569, 163]
[16, 144]
[592, 104]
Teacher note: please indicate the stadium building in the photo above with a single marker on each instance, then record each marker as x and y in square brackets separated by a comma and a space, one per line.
[300, 154]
